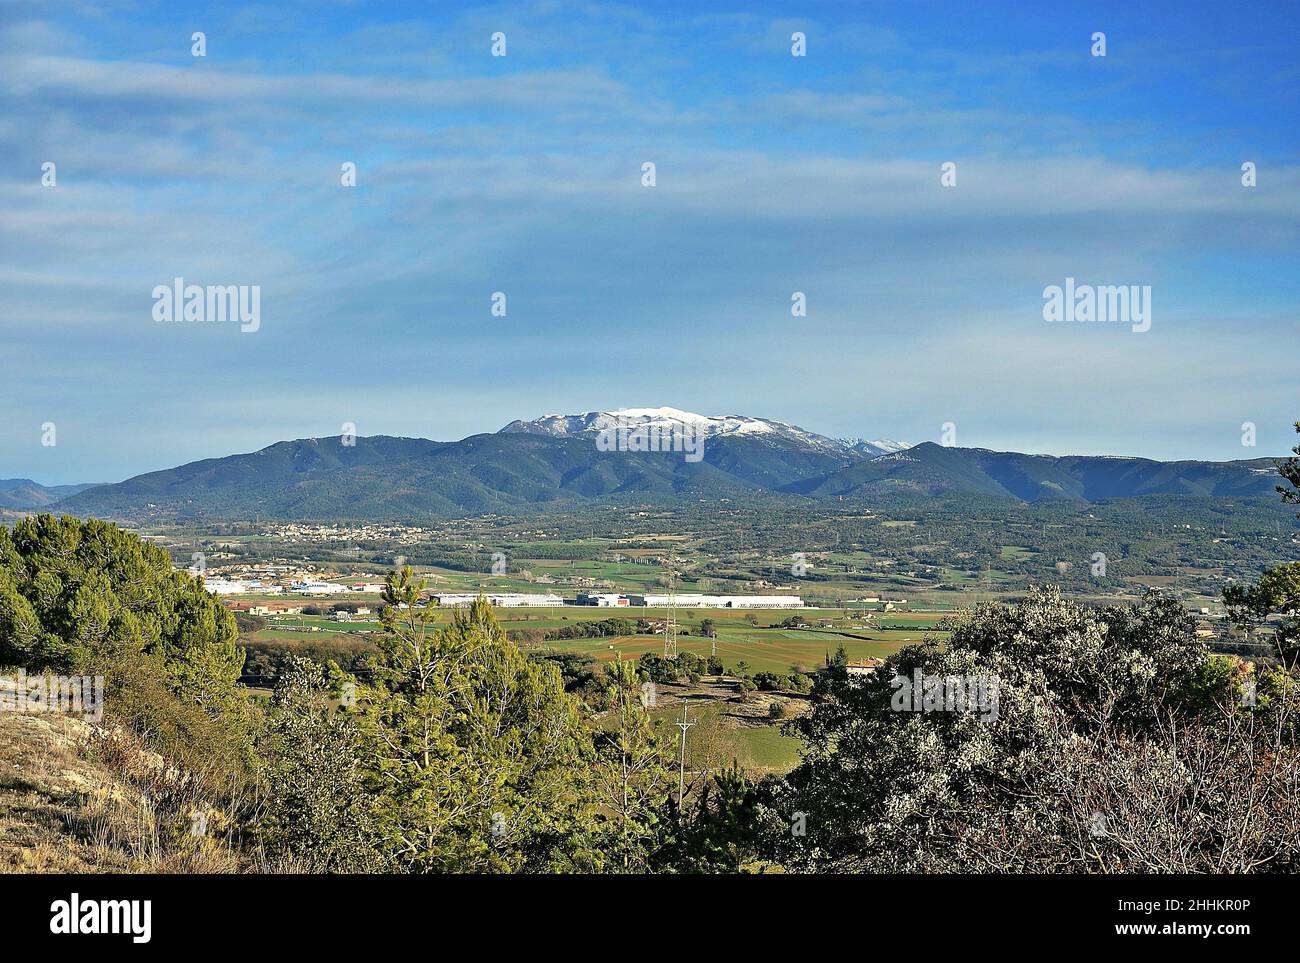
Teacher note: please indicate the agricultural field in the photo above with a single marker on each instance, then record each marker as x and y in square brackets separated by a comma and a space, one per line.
[761, 650]
[726, 730]
[761, 647]
[724, 733]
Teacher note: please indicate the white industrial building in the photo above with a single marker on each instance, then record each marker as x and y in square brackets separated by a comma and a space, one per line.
[502, 600]
[221, 586]
[317, 588]
[604, 599]
[692, 601]
[726, 601]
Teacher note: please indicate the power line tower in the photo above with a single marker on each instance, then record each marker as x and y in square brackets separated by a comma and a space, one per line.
[681, 771]
[670, 624]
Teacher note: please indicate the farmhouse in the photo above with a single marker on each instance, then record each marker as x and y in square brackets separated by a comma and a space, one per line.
[266, 608]
[861, 667]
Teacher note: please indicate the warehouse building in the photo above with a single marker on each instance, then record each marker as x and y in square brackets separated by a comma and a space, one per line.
[502, 600]
[694, 601]
[606, 600]
[727, 601]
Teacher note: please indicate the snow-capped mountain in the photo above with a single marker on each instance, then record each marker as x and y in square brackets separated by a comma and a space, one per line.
[559, 461]
[661, 419]
[881, 446]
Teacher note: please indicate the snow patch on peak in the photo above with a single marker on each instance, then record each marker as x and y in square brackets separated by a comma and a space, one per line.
[592, 422]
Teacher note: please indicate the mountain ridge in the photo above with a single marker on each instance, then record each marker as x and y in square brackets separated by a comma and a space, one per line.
[384, 478]
[24, 494]
[932, 468]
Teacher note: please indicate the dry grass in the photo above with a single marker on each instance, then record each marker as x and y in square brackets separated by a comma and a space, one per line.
[75, 798]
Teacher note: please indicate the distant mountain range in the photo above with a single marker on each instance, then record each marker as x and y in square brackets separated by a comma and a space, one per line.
[555, 461]
[24, 494]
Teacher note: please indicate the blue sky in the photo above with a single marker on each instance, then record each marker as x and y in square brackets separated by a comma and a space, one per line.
[522, 174]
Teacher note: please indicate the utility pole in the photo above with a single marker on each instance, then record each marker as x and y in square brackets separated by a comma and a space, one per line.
[670, 624]
[681, 772]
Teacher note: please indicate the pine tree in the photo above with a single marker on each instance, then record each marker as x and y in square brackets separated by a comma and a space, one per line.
[635, 775]
[481, 758]
[318, 815]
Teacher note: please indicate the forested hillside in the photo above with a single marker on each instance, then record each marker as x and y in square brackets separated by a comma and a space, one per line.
[383, 478]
